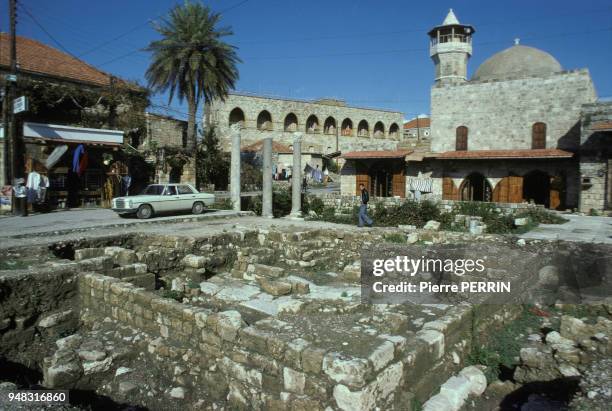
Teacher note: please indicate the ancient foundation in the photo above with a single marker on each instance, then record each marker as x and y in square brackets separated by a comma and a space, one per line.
[232, 321]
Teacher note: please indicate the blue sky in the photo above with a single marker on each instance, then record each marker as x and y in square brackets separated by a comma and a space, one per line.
[369, 53]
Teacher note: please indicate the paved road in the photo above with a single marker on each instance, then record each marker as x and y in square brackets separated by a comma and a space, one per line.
[81, 219]
[578, 228]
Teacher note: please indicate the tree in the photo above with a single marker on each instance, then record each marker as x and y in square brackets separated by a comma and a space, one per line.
[212, 166]
[191, 60]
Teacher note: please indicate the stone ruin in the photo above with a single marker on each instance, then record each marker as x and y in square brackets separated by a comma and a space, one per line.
[248, 319]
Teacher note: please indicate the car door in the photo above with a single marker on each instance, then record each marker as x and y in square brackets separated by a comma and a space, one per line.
[171, 200]
[186, 195]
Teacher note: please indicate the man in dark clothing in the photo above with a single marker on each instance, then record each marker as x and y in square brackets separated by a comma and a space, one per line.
[363, 208]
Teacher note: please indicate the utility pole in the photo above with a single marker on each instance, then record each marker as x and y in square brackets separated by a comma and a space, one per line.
[10, 125]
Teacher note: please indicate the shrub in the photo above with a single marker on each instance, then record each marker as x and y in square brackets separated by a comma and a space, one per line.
[316, 204]
[395, 238]
[173, 294]
[542, 216]
[223, 204]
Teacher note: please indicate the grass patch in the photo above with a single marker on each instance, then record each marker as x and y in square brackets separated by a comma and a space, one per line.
[173, 294]
[395, 238]
[504, 346]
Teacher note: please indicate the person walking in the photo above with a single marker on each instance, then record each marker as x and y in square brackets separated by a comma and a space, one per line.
[363, 208]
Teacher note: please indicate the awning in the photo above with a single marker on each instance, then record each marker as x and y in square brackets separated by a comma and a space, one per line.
[72, 135]
[332, 155]
[602, 126]
[362, 155]
[503, 154]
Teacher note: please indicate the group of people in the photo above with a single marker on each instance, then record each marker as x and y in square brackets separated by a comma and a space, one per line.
[280, 173]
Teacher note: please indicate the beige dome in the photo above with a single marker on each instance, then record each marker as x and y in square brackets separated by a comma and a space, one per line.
[517, 61]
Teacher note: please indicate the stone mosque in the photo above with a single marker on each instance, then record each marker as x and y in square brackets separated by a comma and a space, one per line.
[521, 129]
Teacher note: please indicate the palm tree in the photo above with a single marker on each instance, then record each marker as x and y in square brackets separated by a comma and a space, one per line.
[191, 60]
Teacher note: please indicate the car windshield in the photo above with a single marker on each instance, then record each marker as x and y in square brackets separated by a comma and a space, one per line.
[153, 190]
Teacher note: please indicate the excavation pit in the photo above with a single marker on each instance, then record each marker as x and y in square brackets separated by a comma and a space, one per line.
[249, 319]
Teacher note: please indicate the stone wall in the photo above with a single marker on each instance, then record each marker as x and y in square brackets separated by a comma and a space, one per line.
[345, 203]
[500, 114]
[166, 131]
[36, 308]
[595, 158]
[494, 171]
[319, 142]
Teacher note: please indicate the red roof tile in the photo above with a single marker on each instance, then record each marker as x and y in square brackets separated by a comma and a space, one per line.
[276, 147]
[604, 125]
[38, 58]
[500, 154]
[424, 122]
[355, 155]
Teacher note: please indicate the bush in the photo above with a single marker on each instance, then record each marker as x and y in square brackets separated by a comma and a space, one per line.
[542, 216]
[281, 203]
[222, 204]
[316, 204]
[395, 238]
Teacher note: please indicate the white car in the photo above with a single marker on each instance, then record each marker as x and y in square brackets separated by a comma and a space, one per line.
[162, 198]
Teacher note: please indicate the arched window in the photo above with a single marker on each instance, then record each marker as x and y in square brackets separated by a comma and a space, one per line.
[312, 124]
[347, 127]
[264, 121]
[236, 116]
[394, 131]
[538, 135]
[461, 141]
[363, 129]
[379, 130]
[329, 127]
[291, 122]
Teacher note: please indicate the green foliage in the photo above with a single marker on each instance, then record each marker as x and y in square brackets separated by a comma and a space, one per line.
[395, 238]
[173, 294]
[281, 203]
[191, 61]
[251, 176]
[193, 284]
[504, 345]
[593, 212]
[223, 204]
[212, 165]
[314, 204]
[542, 216]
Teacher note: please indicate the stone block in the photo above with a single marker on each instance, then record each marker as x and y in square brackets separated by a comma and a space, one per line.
[146, 281]
[345, 370]
[275, 287]
[87, 253]
[194, 261]
[294, 381]
[226, 324]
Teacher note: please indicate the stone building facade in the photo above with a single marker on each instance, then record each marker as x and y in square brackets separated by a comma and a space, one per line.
[596, 157]
[511, 133]
[327, 125]
[166, 137]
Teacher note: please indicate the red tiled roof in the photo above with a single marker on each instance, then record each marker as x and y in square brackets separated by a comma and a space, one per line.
[500, 154]
[604, 125]
[276, 147]
[424, 122]
[38, 58]
[355, 155]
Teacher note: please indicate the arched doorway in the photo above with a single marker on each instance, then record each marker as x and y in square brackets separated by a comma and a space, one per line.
[264, 121]
[536, 187]
[475, 187]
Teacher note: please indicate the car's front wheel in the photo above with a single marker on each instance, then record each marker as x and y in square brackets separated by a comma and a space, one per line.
[197, 208]
[144, 211]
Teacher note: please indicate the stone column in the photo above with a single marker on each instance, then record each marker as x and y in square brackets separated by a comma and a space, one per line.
[235, 167]
[296, 177]
[266, 209]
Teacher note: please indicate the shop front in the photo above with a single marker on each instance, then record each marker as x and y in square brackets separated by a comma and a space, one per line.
[72, 167]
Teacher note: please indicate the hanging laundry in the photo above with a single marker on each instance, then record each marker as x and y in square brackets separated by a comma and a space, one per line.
[76, 157]
[33, 187]
[83, 164]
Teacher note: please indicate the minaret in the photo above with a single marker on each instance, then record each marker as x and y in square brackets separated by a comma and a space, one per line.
[450, 47]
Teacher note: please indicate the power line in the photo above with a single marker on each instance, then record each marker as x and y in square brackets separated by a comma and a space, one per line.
[60, 45]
